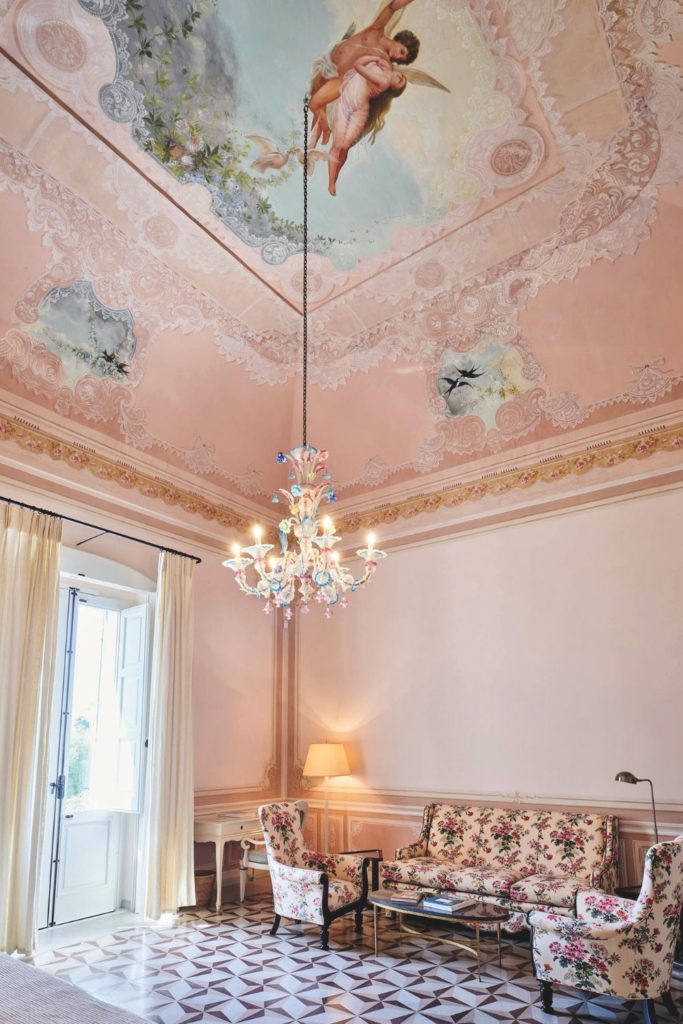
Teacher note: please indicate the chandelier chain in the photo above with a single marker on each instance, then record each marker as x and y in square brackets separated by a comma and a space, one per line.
[305, 272]
[308, 567]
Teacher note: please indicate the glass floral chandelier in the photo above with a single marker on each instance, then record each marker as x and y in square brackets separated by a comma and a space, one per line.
[307, 567]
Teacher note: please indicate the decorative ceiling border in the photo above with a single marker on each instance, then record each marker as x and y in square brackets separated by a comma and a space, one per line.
[32, 439]
[546, 471]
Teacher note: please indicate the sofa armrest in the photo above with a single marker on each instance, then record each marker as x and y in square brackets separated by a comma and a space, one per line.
[347, 866]
[421, 845]
[417, 849]
[372, 858]
[288, 873]
[606, 876]
[568, 928]
[601, 908]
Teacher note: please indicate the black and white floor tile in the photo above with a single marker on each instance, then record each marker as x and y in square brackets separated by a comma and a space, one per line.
[217, 968]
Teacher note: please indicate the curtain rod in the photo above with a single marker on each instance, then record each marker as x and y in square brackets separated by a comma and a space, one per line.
[92, 526]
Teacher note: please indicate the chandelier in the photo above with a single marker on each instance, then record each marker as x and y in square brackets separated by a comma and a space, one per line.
[307, 567]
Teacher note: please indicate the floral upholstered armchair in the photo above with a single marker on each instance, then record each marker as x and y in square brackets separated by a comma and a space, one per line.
[308, 886]
[615, 946]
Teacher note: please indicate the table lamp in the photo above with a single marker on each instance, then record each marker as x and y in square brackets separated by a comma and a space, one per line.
[326, 760]
[631, 779]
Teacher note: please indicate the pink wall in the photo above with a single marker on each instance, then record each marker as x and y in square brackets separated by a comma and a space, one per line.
[536, 659]
[236, 720]
[234, 672]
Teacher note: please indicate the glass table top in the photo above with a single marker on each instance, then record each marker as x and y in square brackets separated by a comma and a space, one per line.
[472, 912]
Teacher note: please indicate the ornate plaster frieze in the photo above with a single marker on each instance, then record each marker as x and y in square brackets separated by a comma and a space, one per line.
[38, 442]
[549, 471]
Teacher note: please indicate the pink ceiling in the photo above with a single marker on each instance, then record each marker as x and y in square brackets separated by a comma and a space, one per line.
[542, 308]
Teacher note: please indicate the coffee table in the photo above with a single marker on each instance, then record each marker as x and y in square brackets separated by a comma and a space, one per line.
[474, 917]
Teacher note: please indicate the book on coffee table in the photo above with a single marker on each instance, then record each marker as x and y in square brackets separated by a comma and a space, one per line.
[407, 899]
[447, 904]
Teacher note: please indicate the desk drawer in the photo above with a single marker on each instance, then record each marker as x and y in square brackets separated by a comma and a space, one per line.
[239, 824]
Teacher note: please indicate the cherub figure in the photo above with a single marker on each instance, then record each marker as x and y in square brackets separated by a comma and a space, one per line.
[329, 71]
[367, 91]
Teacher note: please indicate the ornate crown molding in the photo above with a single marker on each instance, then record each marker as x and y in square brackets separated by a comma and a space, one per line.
[546, 471]
[39, 442]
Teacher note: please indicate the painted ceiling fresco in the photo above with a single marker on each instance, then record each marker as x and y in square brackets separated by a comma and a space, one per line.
[495, 278]
[213, 91]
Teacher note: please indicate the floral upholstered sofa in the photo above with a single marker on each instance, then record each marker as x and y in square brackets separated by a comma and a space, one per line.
[520, 859]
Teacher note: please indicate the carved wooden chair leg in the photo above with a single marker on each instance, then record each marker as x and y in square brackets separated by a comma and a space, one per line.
[324, 937]
[668, 1001]
[276, 925]
[547, 996]
[649, 1012]
[359, 921]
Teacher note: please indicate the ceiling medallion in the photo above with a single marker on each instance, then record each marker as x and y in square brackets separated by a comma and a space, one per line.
[307, 567]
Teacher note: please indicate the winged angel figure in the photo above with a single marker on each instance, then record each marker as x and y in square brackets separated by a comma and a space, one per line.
[361, 76]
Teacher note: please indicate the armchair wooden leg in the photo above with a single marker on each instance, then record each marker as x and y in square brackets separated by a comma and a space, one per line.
[359, 921]
[547, 996]
[324, 938]
[667, 999]
[276, 925]
[649, 1013]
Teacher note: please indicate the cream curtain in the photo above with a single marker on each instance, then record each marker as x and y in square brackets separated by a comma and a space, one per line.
[29, 602]
[169, 850]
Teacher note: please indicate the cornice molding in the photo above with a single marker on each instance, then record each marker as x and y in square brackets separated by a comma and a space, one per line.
[545, 471]
[40, 442]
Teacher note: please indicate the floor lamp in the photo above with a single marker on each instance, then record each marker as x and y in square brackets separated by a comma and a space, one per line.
[632, 780]
[326, 760]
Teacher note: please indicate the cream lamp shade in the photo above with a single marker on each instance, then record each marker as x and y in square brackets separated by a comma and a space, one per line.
[326, 759]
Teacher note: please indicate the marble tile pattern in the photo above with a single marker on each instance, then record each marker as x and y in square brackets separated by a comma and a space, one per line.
[226, 967]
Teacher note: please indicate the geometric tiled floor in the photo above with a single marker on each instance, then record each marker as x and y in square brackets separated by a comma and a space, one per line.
[208, 967]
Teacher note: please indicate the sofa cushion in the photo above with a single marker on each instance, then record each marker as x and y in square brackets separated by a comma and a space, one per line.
[505, 840]
[554, 890]
[567, 844]
[433, 873]
[485, 881]
[427, 872]
[455, 833]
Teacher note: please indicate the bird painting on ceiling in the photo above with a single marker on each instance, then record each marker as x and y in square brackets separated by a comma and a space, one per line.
[275, 159]
[464, 379]
[479, 382]
[88, 337]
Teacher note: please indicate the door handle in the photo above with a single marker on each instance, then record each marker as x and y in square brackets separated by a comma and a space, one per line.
[58, 788]
[68, 816]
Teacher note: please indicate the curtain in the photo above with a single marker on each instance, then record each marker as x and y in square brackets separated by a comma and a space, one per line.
[29, 603]
[169, 845]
